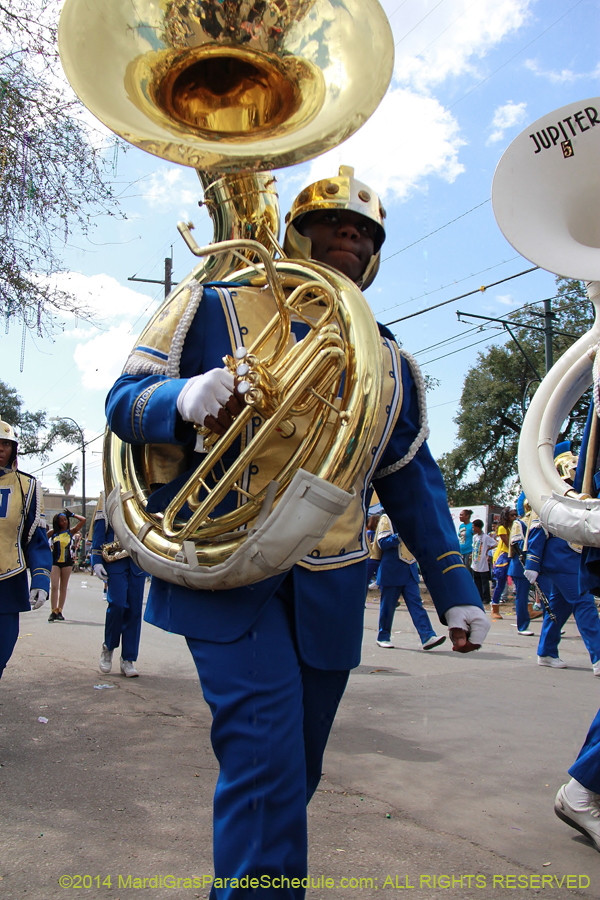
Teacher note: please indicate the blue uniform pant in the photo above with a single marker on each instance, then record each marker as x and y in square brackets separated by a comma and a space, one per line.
[501, 575]
[390, 594]
[124, 614]
[272, 715]
[586, 768]
[521, 602]
[565, 599]
[9, 632]
[372, 569]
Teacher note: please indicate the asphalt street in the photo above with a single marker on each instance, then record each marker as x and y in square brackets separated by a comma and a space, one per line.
[439, 778]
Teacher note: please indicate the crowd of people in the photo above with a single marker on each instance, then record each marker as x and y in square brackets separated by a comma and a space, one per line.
[268, 666]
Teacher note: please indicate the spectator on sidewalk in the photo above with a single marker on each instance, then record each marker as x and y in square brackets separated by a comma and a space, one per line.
[500, 559]
[465, 536]
[480, 561]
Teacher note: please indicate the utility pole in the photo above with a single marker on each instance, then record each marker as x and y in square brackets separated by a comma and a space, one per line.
[167, 281]
[548, 331]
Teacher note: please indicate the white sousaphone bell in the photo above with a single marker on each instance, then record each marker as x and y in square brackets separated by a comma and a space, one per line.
[546, 199]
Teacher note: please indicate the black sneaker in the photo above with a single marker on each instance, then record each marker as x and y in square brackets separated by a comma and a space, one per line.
[60, 617]
[52, 617]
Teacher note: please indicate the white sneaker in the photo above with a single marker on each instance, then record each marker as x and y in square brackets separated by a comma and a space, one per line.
[373, 586]
[527, 633]
[128, 668]
[585, 820]
[596, 668]
[387, 644]
[434, 641]
[555, 662]
[105, 664]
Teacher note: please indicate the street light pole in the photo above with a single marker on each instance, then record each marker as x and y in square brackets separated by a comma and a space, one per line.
[69, 419]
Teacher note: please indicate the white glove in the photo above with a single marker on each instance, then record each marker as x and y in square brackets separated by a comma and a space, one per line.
[531, 576]
[204, 395]
[472, 619]
[100, 572]
[37, 597]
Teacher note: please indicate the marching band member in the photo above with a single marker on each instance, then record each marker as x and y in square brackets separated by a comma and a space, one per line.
[560, 561]
[399, 576]
[523, 608]
[23, 544]
[125, 595]
[274, 657]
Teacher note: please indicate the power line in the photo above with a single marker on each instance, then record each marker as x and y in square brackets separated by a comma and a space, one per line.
[441, 228]
[453, 339]
[460, 349]
[70, 453]
[481, 289]
[451, 284]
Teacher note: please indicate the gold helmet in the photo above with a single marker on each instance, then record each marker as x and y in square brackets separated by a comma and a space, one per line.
[7, 433]
[566, 466]
[342, 191]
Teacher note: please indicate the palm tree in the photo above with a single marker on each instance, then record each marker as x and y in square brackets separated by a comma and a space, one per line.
[67, 475]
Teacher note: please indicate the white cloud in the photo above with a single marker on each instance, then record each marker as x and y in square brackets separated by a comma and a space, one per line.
[506, 299]
[100, 360]
[170, 187]
[433, 43]
[565, 76]
[505, 117]
[391, 157]
[102, 295]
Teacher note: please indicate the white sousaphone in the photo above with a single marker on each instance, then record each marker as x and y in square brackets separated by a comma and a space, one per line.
[546, 199]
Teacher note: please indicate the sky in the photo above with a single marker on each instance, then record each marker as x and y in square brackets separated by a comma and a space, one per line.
[469, 76]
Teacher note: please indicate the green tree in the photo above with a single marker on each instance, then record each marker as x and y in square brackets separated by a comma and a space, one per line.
[482, 467]
[66, 476]
[54, 172]
[35, 438]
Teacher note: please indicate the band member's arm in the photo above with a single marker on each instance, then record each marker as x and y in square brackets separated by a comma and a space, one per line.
[98, 538]
[35, 546]
[536, 542]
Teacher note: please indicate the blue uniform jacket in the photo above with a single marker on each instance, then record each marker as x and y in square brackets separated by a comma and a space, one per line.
[104, 534]
[515, 566]
[392, 570]
[329, 605]
[14, 591]
[548, 553]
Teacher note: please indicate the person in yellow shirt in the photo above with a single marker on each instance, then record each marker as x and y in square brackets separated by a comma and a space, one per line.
[500, 558]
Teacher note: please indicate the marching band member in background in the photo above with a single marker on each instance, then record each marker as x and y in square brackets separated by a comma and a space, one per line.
[125, 595]
[578, 802]
[23, 544]
[523, 608]
[61, 537]
[399, 576]
[560, 561]
[274, 657]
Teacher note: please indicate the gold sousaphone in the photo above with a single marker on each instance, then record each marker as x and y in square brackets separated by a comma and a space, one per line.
[233, 88]
[546, 198]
